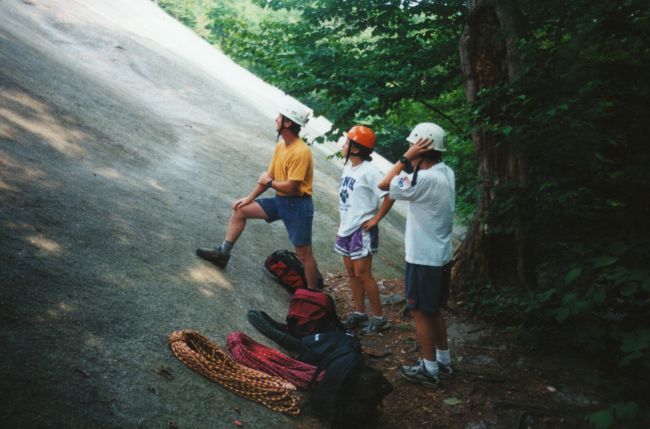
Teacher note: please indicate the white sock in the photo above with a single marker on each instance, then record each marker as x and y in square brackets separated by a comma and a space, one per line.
[431, 366]
[443, 356]
[358, 313]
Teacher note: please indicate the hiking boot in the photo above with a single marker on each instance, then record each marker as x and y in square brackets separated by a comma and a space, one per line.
[376, 325]
[445, 371]
[214, 256]
[419, 375]
[355, 320]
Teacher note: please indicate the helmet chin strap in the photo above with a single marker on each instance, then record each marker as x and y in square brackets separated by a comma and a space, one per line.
[281, 128]
[415, 173]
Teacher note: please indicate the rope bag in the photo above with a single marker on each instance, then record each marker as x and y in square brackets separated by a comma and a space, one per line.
[246, 351]
[203, 356]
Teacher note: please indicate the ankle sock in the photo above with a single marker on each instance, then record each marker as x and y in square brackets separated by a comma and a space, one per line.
[431, 366]
[358, 313]
[443, 356]
[226, 247]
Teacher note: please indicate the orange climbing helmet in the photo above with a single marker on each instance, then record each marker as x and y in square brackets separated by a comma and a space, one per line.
[363, 136]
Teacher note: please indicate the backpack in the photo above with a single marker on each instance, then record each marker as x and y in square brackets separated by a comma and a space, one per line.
[286, 269]
[273, 330]
[311, 311]
[351, 391]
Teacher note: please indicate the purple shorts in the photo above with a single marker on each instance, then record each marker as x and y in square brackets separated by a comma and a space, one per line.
[359, 244]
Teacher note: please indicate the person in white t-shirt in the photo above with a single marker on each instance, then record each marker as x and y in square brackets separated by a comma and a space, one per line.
[361, 206]
[430, 192]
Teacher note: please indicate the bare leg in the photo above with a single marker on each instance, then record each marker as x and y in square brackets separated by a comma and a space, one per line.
[238, 220]
[358, 294]
[309, 263]
[363, 270]
[425, 332]
[440, 331]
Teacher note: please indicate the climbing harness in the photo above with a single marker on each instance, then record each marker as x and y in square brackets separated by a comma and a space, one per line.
[203, 356]
[246, 351]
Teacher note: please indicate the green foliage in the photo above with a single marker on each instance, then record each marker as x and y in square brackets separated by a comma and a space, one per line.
[378, 63]
[622, 412]
[181, 10]
[578, 116]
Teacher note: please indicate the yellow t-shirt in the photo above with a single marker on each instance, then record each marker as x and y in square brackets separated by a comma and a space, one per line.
[293, 162]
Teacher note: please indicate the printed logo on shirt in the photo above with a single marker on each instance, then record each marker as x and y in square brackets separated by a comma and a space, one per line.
[346, 187]
[344, 195]
[404, 182]
[348, 182]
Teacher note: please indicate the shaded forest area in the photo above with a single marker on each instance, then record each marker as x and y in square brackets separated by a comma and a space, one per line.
[547, 105]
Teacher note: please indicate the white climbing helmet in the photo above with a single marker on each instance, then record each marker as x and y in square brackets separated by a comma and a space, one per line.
[431, 131]
[295, 111]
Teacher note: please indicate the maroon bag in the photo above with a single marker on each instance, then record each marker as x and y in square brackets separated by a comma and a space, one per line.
[286, 269]
[310, 312]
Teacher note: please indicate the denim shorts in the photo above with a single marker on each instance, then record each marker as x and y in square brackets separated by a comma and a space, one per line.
[297, 214]
[427, 288]
[359, 244]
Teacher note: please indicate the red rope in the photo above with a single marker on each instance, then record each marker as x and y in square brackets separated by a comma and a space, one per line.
[246, 351]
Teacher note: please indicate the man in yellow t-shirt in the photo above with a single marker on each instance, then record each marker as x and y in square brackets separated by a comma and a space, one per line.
[290, 174]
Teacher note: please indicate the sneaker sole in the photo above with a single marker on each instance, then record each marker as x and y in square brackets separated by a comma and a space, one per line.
[382, 329]
[429, 384]
[354, 327]
[212, 261]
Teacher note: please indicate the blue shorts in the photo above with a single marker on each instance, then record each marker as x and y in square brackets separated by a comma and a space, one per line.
[359, 244]
[297, 214]
[426, 288]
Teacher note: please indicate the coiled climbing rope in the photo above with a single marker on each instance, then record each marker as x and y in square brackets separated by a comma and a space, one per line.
[247, 351]
[203, 356]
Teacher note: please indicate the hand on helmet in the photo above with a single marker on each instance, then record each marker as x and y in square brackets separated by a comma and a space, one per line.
[418, 148]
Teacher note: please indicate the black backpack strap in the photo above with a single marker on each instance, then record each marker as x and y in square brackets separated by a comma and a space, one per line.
[274, 330]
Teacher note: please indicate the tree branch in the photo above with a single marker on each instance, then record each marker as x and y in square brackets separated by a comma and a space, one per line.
[438, 111]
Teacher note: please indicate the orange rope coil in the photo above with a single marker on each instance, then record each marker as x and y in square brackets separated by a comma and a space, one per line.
[205, 357]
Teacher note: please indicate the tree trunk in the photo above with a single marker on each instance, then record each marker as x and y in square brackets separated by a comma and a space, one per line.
[489, 58]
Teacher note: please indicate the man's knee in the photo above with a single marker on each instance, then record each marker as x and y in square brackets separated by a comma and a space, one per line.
[250, 211]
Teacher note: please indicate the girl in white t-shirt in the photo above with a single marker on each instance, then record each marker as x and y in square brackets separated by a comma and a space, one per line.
[361, 208]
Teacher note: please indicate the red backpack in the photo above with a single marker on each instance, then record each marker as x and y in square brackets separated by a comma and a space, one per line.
[310, 312]
[286, 269]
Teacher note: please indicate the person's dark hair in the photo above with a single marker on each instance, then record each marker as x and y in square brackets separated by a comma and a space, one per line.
[364, 152]
[294, 128]
[433, 155]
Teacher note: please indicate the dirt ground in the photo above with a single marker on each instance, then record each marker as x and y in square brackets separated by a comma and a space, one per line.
[497, 384]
